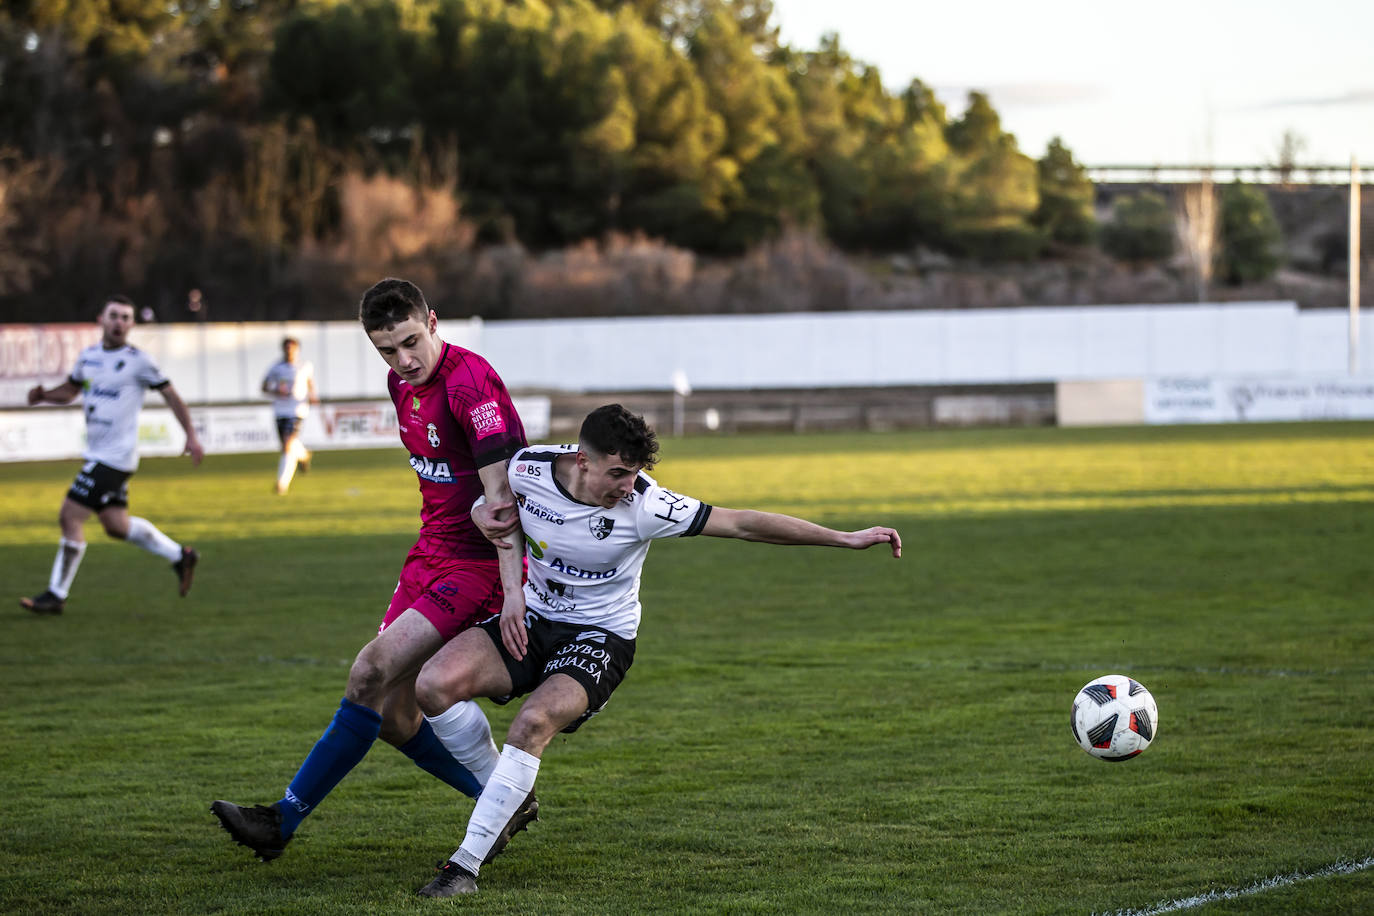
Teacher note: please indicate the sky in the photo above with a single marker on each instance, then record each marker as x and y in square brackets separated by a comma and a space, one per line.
[1168, 82]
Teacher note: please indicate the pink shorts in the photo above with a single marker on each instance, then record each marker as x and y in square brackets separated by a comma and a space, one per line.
[452, 594]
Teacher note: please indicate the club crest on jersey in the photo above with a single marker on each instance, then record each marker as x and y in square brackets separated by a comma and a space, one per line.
[433, 432]
[435, 470]
[601, 526]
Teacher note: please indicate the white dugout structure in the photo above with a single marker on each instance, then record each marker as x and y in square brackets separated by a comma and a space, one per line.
[1110, 364]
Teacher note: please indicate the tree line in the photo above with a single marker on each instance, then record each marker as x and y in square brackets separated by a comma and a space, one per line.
[257, 144]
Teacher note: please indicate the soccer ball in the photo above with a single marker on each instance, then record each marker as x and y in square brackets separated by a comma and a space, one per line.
[1114, 717]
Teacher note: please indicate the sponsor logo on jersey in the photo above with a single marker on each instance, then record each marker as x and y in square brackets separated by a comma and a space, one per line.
[432, 432]
[536, 547]
[436, 470]
[539, 510]
[601, 526]
[567, 569]
[550, 600]
[96, 391]
[415, 403]
[528, 470]
[487, 420]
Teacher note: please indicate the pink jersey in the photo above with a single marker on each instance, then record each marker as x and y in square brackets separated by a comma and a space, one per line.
[460, 420]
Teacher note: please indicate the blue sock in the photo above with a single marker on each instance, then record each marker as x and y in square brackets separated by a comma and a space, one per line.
[340, 748]
[430, 755]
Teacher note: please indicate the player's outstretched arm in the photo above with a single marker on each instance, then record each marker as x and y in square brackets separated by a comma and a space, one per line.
[497, 492]
[62, 394]
[774, 528]
[183, 415]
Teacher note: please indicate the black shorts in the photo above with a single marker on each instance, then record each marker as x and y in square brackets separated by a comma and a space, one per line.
[98, 486]
[287, 427]
[595, 658]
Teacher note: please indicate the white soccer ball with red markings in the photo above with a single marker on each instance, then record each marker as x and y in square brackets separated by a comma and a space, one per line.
[1114, 717]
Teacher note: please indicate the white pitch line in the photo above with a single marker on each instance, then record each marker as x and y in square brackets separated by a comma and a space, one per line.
[1259, 887]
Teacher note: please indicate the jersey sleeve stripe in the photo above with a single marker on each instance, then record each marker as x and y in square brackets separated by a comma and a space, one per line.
[502, 453]
[698, 522]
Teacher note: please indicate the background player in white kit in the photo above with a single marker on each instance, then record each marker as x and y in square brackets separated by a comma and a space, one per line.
[586, 516]
[111, 377]
[291, 385]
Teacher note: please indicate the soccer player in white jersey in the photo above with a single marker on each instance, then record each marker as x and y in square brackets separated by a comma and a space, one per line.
[111, 378]
[587, 513]
[291, 385]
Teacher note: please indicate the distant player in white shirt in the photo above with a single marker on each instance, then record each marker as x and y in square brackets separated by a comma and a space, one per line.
[586, 515]
[291, 384]
[111, 378]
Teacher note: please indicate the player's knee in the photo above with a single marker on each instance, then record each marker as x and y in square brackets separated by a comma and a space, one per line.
[435, 692]
[366, 681]
[533, 729]
[114, 529]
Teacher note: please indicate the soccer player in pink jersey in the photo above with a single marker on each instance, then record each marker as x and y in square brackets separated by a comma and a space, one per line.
[458, 424]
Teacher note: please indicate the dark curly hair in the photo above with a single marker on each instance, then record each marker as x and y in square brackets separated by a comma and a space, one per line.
[613, 430]
[389, 302]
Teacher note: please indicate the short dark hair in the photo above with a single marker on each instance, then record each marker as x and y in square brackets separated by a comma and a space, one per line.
[118, 299]
[613, 430]
[289, 342]
[389, 302]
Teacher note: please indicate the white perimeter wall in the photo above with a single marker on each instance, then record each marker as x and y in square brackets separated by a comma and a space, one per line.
[223, 363]
[923, 347]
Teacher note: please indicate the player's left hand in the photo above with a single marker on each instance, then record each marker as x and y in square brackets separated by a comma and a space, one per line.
[195, 450]
[862, 540]
[513, 633]
[496, 521]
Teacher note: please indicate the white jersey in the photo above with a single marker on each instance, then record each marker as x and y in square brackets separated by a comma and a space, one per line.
[585, 561]
[113, 383]
[294, 379]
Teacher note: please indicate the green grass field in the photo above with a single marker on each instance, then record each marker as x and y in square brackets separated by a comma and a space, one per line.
[804, 730]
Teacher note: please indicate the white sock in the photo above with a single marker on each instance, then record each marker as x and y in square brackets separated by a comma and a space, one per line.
[286, 469]
[506, 791]
[144, 533]
[69, 554]
[464, 732]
